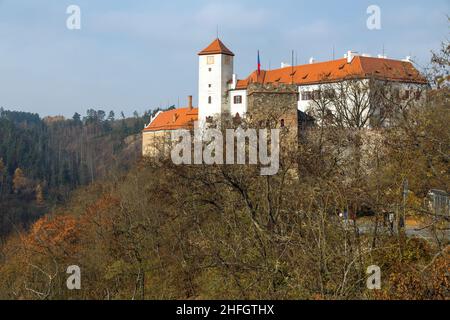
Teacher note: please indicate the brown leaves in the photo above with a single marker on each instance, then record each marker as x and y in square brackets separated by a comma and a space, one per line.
[53, 232]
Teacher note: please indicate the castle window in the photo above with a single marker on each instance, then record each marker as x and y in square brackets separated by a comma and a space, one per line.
[406, 95]
[396, 94]
[227, 60]
[209, 85]
[237, 119]
[210, 60]
[307, 95]
[329, 94]
[316, 94]
[237, 99]
[282, 123]
[209, 100]
[418, 94]
[209, 69]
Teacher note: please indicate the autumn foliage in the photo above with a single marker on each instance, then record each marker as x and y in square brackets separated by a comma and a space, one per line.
[225, 232]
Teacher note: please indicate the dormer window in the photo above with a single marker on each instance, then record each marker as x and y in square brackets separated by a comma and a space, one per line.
[210, 60]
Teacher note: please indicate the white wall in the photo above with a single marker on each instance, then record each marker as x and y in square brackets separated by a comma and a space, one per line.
[304, 105]
[238, 108]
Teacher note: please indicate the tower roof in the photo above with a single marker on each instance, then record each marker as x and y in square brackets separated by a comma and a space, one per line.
[216, 47]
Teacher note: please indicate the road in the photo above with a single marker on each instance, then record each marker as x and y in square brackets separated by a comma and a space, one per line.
[365, 226]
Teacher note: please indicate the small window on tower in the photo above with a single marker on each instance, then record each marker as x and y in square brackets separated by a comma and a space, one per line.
[227, 59]
[209, 69]
[209, 85]
[210, 60]
[209, 100]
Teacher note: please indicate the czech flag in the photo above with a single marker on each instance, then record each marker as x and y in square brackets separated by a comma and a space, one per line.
[259, 64]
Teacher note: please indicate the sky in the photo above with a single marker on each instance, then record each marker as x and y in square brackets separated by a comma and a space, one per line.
[142, 54]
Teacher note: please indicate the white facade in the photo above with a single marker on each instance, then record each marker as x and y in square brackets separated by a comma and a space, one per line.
[238, 102]
[237, 98]
[218, 94]
[402, 93]
[215, 74]
[304, 103]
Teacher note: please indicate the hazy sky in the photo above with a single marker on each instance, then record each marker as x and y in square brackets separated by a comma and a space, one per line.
[140, 54]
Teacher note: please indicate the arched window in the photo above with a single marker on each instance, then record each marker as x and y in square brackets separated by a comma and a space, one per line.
[209, 100]
[237, 118]
[282, 123]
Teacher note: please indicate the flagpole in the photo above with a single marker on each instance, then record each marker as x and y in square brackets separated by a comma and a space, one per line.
[292, 71]
[259, 64]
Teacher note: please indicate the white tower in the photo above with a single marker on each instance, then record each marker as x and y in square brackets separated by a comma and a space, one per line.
[215, 73]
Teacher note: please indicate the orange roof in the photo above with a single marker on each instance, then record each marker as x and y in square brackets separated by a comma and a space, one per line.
[330, 71]
[182, 118]
[216, 47]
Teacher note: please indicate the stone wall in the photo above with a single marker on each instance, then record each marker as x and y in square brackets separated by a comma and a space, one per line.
[275, 106]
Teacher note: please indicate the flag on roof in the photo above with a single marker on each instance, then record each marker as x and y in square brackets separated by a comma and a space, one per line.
[259, 64]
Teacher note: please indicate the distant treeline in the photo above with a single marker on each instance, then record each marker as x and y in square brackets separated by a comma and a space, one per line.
[43, 159]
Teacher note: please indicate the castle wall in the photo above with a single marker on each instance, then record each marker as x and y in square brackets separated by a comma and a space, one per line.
[156, 143]
[275, 106]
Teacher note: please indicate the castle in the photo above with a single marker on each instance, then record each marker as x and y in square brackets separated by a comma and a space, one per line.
[289, 89]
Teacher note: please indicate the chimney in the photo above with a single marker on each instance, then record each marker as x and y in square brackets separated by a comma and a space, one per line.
[190, 102]
[312, 60]
[407, 59]
[234, 81]
[350, 55]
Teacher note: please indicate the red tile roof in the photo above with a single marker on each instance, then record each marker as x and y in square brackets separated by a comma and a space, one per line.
[216, 47]
[182, 118]
[330, 71]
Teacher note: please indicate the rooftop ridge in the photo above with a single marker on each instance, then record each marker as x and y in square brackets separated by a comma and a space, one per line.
[216, 47]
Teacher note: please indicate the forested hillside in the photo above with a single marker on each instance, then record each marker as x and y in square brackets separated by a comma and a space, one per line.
[150, 229]
[162, 231]
[43, 160]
